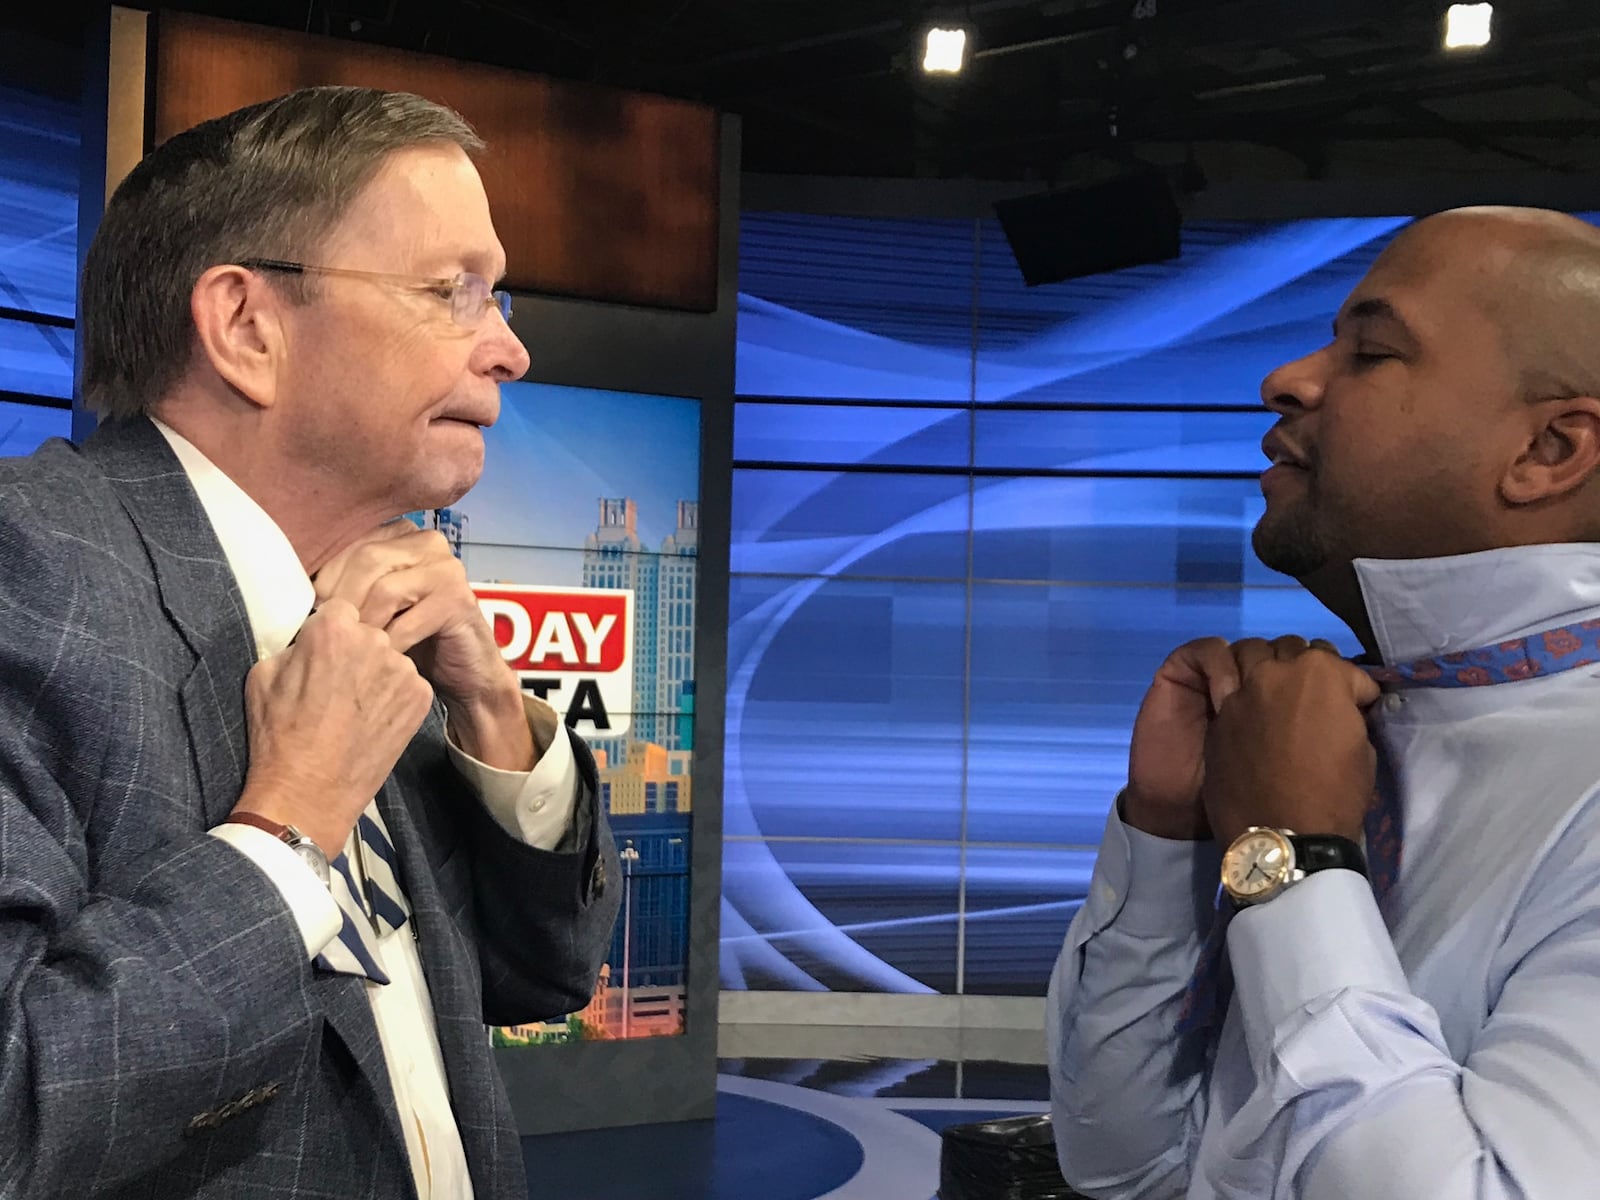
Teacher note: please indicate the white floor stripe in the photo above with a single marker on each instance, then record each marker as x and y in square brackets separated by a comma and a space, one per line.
[900, 1157]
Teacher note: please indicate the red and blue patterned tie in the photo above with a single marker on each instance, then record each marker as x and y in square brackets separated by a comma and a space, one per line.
[1548, 653]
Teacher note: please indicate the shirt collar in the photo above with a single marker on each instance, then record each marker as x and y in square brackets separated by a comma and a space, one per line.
[276, 589]
[1420, 608]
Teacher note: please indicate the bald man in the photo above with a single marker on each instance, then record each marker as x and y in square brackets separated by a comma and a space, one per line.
[1395, 994]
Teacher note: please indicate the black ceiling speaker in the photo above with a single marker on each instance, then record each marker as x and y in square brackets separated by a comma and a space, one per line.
[1126, 222]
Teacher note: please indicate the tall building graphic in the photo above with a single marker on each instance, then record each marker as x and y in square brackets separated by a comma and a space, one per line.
[646, 779]
[675, 595]
[663, 586]
[614, 557]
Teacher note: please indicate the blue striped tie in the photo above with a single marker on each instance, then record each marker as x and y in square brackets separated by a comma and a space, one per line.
[369, 911]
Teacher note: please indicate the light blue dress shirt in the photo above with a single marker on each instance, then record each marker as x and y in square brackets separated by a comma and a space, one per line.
[1456, 1057]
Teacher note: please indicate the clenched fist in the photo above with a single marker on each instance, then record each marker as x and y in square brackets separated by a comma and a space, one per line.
[328, 719]
[1166, 758]
[1289, 748]
[1169, 755]
[406, 582]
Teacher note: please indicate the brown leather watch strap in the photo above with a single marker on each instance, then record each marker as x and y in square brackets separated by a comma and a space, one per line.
[264, 823]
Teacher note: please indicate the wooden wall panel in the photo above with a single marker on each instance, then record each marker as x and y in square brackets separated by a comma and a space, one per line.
[597, 193]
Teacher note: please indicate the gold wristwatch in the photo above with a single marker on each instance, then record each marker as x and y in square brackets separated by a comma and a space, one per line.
[1262, 862]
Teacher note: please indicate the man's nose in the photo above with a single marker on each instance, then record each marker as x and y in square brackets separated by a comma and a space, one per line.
[1296, 386]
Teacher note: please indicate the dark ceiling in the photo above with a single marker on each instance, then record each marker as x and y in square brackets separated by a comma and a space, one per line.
[1059, 90]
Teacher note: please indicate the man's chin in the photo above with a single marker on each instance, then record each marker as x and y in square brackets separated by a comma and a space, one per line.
[453, 463]
[442, 491]
[1287, 552]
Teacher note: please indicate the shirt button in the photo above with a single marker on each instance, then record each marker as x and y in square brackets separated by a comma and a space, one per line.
[1394, 702]
[538, 805]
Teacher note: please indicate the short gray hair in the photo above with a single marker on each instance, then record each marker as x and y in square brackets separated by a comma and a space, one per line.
[268, 181]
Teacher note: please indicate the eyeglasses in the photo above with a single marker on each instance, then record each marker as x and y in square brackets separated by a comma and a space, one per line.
[469, 296]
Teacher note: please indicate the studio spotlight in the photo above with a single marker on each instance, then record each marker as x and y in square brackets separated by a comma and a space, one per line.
[944, 51]
[1467, 26]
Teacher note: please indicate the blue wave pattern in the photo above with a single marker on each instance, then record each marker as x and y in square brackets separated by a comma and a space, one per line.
[970, 519]
[24, 426]
[38, 240]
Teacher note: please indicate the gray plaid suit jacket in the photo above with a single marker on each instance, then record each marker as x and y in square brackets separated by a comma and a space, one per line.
[162, 1034]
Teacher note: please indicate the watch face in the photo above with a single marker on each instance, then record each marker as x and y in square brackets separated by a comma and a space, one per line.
[1257, 864]
[311, 854]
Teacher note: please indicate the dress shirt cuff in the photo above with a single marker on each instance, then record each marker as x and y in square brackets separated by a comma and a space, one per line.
[308, 898]
[534, 806]
[1152, 885]
[1321, 937]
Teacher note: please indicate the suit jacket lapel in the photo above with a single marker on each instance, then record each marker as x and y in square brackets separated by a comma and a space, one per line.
[198, 593]
[350, 1021]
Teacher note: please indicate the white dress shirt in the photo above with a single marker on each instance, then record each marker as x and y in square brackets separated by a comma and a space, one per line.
[535, 806]
[1454, 1057]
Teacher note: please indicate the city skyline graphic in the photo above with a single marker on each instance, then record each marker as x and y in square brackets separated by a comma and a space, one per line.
[636, 459]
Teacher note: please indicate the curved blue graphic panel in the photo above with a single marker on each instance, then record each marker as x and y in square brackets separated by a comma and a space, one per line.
[843, 699]
[38, 244]
[38, 203]
[809, 915]
[970, 519]
[1017, 909]
[24, 426]
[852, 435]
[887, 309]
[1200, 330]
[1124, 440]
[855, 307]
[839, 523]
[36, 359]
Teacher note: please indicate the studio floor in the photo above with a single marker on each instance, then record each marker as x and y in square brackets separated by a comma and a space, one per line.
[845, 1126]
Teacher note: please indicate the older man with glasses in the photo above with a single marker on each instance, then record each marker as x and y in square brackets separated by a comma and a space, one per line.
[265, 875]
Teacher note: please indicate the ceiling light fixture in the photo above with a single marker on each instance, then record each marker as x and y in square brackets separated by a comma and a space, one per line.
[944, 51]
[1467, 26]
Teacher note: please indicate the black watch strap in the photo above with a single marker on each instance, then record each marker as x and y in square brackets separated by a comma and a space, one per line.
[1327, 851]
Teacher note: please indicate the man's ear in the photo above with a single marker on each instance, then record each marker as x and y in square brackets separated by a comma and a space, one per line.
[237, 327]
[1562, 455]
